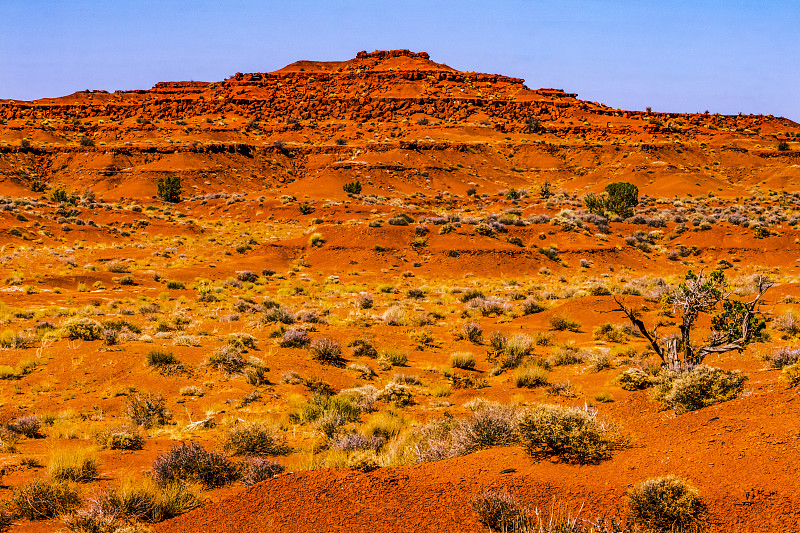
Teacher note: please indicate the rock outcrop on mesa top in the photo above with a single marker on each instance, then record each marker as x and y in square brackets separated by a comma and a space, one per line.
[262, 130]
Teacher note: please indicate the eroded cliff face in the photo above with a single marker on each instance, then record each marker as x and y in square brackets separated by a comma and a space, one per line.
[259, 129]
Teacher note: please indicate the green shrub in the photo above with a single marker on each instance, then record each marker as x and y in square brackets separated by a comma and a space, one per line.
[74, 464]
[59, 195]
[42, 499]
[791, 374]
[619, 199]
[634, 379]
[84, 329]
[121, 438]
[175, 285]
[254, 438]
[169, 189]
[571, 434]
[666, 504]
[610, 332]
[560, 323]
[463, 360]
[394, 357]
[698, 388]
[305, 208]
[353, 187]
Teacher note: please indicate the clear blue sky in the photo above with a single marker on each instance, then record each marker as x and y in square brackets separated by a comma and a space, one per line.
[725, 56]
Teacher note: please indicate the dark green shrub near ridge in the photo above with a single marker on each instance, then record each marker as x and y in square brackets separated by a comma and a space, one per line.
[619, 199]
[354, 187]
[169, 189]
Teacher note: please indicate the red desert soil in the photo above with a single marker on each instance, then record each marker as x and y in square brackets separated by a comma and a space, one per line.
[735, 452]
[263, 158]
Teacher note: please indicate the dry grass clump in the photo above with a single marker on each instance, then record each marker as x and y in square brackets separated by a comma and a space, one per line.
[73, 464]
[571, 434]
[162, 360]
[137, 500]
[666, 504]
[394, 358]
[791, 374]
[464, 360]
[531, 376]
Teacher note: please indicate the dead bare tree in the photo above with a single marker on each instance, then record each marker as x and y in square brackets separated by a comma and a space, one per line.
[732, 329]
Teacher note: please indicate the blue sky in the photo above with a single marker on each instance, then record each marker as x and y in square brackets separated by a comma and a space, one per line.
[683, 56]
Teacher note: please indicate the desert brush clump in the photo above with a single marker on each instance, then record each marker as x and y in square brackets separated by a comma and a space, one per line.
[490, 425]
[40, 499]
[700, 387]
[193, 463]
[133, 500]
[570, 434]
[29, 426]
[500, 511]
[666, 504]
[120, 438]
[470, 331]
[147, 410]
[326, 351]
[634, 379]
[258, 469]
[254, 438]
[363, 347]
